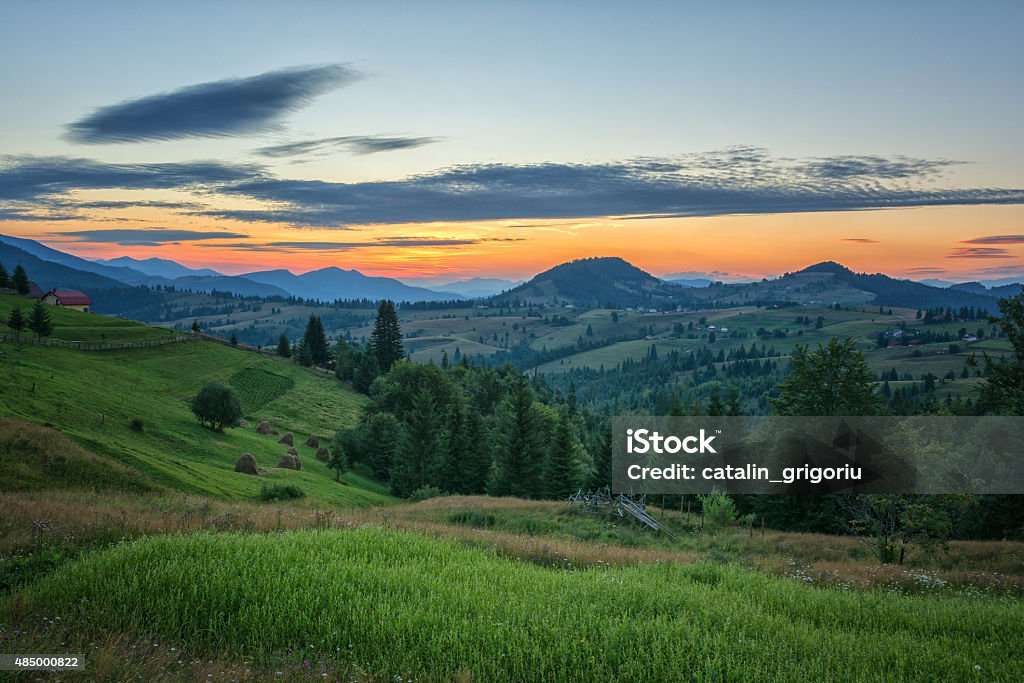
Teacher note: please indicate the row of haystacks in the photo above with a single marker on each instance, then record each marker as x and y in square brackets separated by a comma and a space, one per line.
[246, 463]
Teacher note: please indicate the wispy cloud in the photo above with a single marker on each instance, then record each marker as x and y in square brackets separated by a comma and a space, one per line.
[43, 180]
[392, 242]
[997, 239]
[859, 240]
[926, 270]
[148, 237]
[739, 181]
[743, 180]
[888, 168]
[356, 144]
[231, 107]
[979, 252]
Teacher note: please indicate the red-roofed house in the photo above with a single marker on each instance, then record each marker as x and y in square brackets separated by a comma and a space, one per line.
[68, 298]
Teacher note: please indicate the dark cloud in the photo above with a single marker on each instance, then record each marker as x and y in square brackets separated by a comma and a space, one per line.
[979, 252]
[148, 237]
[743, 180]
[232, 107]
[730, 182]
[859, 240]
[401, 242]
[128, 204]
[888, 168]
[1011, 269]
[45, 180]
[357, 144]
[997, 239]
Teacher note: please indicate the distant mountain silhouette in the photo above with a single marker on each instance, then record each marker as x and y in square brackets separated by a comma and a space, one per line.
[328, 284]
[599, 281]
[159, 267]
[476, 287]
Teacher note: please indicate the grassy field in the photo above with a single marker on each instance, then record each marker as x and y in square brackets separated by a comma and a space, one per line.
[132, 407]
[74, 326]
[382, 604]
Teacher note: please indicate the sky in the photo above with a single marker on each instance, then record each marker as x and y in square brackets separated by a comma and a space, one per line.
[439, 141]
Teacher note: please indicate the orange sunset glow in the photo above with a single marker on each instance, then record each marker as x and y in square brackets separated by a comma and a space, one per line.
[913, 242]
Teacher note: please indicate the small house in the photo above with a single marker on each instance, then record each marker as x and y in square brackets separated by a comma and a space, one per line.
[68, 298]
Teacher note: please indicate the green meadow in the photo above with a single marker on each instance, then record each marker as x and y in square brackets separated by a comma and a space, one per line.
[392, 605]
[133, 407]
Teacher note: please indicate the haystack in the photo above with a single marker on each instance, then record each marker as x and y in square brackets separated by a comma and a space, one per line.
[292, 451]
[288, 439]
[290, 462]
[313, 441]
[263, 427]
[246, 464]
[322, 454]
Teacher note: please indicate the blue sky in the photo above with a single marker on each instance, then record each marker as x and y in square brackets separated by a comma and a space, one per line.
[431, 86]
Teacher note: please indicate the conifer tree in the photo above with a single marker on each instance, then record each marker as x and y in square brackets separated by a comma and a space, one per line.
[418, 456]
[315, 340]
[386, 338]
[5, 278]
[303, 354]
[39, 320]
[342, 360]
[560, 472]
[284, 349]
[520, 454]
[365, 372]
[16, 321]
[603, 459]
[19, 281]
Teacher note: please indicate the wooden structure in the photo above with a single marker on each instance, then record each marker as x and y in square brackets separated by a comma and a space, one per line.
[622, 504]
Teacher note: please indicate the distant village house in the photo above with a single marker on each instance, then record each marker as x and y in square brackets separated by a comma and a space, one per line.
[68, 298]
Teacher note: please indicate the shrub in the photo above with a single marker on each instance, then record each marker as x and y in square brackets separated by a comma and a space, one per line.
[425, 492]
[271, 492]
[137, 424]
[719, 510]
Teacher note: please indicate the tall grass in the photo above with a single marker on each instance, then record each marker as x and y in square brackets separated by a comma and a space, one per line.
[431, 609]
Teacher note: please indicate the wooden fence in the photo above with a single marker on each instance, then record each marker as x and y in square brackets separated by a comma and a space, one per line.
[96, 346]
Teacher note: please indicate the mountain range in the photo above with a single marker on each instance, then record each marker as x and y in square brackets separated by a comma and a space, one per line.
[326, 284]
[589, 282]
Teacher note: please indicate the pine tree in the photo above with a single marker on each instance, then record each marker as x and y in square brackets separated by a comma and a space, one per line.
[316, 341]
[195, 327]
[342, 360]
[303, 354]
[418, 457]
[5, 278]
[234, 339]
[20, 280]
[386, 338]
[365, 372]
[382, 438]
[39, 320]
[715, 405]
[560, 472]
[477, 456]
[16, 321]
[284, 349]
[520, 454]
[603, 459]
